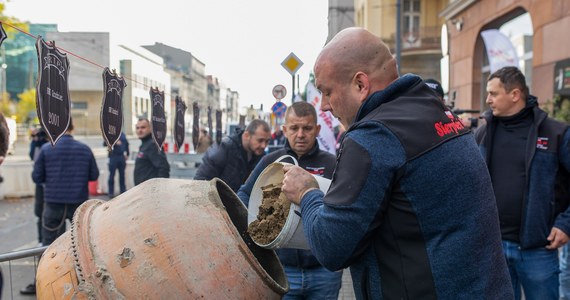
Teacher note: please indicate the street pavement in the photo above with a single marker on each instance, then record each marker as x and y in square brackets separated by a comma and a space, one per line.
[18, 229]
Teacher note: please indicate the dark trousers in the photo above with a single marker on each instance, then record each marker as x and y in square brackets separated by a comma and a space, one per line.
[54, 220]
[117, 163]
[39, 208]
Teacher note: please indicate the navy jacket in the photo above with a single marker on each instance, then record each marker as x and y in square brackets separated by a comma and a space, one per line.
[119, 151]
[410, 208]
[150, 162]
[545, 204]
[227, 161]
[65, 171]
[317, 162]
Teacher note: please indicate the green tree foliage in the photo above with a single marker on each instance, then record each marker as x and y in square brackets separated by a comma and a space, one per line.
[559, 108]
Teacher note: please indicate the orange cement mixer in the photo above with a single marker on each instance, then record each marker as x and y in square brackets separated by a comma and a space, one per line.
[163, 239]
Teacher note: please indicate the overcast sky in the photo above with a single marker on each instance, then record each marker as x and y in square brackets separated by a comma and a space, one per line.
[241, 42]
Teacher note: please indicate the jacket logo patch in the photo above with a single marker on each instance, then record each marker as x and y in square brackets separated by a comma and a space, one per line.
[316, 170]
[542, 143]
[454, 126]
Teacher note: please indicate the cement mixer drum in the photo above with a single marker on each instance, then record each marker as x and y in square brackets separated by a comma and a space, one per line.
[163, 239]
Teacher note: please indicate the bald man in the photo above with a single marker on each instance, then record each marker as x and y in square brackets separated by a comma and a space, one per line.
[411, 208]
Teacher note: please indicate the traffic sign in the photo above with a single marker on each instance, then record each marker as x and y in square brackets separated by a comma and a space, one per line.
[279, 91]
[292, 63]
[279, 109]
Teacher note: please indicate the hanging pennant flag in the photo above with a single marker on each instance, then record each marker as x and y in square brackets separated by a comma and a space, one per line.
[326, 137]
[210, 128]
[158, 119]
[218, 126]
[112, 107]
[3, 34]
[195, 125]
[52, 92]
[179, 122]
[500, 50]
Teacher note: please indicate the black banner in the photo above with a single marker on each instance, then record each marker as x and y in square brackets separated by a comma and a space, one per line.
[195, 125]
[158, 119]
[3, 35]
[218, 126]
[179, 122]
[52, 92]
[210, 129]
[112, 107]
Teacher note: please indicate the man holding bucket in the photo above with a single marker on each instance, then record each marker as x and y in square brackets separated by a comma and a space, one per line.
[410, 208]
[308, 279]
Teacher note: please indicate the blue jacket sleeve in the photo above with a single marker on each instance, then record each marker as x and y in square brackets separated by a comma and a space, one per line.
[340, 224]
[93, 169]
[563, 219]
[38, 173]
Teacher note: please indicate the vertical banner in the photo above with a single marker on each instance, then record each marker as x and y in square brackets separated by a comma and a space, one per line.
[195, 125]
[326, 138]
[500, 50]
[52, 91]
[218, 126]
[210, 128]
[3, 35]
[179, 122]
[112, 107]
[158, 119]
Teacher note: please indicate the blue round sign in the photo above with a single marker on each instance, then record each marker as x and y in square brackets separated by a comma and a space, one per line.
[279, 109]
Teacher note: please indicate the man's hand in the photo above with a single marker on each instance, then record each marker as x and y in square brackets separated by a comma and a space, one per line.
[557, 239]
[297, 182]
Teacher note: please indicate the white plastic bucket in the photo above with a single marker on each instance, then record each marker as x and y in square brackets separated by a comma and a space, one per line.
[291, 235]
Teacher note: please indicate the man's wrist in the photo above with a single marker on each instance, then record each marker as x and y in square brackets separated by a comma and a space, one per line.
[305, 192]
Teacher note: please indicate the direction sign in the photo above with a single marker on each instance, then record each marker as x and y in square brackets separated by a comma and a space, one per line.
[279, 109]
[292, 63]
[279, 91]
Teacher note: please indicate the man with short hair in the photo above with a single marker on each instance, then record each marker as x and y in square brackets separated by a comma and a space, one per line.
[527, 154]
[308, 279]
[65, 170]
[233, 160]
[410, 208]
[151, 161]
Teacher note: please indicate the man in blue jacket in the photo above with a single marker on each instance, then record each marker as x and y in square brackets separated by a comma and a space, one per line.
[527, 154]
[118, 162]
[308, 279]
[410, 208]
[233, 160]
[65, 170]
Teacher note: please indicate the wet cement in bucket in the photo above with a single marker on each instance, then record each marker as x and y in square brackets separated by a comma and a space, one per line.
[271, 217]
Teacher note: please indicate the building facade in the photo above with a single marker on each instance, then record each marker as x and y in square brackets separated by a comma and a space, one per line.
[550, 56]
[420, 31]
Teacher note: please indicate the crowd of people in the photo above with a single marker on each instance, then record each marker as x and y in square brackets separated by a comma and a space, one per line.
[420, 206]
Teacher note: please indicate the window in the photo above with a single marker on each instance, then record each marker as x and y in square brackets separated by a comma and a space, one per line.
[411, 23]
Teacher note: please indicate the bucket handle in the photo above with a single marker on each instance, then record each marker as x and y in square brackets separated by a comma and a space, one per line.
[287, 156]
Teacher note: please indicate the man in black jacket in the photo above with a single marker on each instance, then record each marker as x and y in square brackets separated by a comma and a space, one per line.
[151, 161]
[308, 279]
[233, 160]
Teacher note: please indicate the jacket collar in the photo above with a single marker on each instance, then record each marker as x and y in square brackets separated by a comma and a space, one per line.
[391, 92]
[311, 152]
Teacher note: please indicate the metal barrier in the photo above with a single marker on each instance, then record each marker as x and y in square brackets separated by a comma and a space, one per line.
[183, 165]
[6, 261]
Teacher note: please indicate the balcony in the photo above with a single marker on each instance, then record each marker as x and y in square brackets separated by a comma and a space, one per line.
[426, 38]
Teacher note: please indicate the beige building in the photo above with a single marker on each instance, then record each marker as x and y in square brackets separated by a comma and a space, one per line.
[420, 31]
[547, 49]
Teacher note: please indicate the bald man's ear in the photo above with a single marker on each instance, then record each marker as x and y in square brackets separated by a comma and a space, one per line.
[362, 84]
